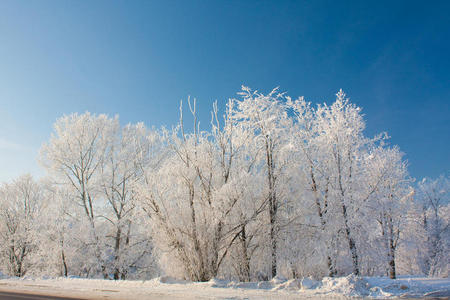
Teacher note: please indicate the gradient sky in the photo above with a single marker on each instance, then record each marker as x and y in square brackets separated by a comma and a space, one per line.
[139, 58]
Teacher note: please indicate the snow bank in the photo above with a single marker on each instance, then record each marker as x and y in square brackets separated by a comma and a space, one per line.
[351, 285]
[275, 284]
[409, 287]
[170, 288]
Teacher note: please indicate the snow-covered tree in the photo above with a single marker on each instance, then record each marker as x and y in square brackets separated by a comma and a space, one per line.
[98, 163]
[73, 157]
[390, 195]
[20, 208]
[121, 169]
[341, 136]
[264, 118]
[306, 139]
[192, 196]
[433, 197]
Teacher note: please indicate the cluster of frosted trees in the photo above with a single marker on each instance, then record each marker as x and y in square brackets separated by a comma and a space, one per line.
[274, 187]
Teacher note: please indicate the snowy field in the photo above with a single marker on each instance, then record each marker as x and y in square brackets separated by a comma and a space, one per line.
[168, 288]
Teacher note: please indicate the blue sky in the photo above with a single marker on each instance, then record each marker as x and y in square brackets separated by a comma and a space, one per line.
[139, 58]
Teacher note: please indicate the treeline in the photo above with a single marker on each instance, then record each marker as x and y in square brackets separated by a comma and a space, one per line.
[276, 186]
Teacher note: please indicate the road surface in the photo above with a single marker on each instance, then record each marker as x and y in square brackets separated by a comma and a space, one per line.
[22, 296]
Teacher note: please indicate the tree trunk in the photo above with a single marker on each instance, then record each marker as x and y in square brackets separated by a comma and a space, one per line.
[331, 268]
[320, 212]
[245, 265]
[116, 254]
[392, 273]
[64, 263]
[351, 241]
[273, 206]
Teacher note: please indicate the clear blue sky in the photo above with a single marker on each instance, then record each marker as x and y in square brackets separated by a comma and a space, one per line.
[139, 58]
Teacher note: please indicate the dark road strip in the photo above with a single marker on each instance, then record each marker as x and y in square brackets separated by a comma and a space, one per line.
[22, 296]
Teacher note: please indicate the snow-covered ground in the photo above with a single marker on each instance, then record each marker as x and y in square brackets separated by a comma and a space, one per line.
[168, 288]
